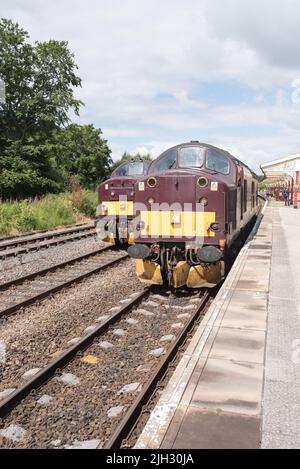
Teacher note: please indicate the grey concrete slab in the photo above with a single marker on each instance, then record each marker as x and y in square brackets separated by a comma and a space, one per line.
[246, 311]
[230, 386]
[225, 431]
[239, 345]
[247, 282]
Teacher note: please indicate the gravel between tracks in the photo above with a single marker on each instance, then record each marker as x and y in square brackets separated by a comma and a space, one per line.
[80, 412]
[14, 267]
[33, 335]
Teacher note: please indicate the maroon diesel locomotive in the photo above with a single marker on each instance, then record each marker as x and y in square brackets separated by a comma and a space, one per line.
[116, 197]
[195, 202]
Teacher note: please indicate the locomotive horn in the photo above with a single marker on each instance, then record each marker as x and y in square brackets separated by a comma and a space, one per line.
[138, 251]
[209, 254]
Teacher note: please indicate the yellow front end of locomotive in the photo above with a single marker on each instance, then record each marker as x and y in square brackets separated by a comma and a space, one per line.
[177, 224]
[197, 276]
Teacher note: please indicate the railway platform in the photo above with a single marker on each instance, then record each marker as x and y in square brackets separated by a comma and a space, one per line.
[238, 383]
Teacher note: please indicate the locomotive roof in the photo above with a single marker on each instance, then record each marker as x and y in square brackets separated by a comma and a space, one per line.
[212, 147]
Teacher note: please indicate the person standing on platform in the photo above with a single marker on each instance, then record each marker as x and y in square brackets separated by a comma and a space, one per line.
[286, 195]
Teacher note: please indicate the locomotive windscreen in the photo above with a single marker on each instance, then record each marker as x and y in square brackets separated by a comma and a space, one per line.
[191, 157]
[132, 168]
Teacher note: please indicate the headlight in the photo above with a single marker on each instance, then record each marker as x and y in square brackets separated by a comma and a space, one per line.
[202, 181]
[203, 201]
[152, 182]
[214, 226]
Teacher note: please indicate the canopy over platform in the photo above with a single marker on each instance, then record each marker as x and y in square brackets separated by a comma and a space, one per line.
[283, 173]
[277, 179]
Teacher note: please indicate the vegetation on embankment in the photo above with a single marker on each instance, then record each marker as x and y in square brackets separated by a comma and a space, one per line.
[51, 211]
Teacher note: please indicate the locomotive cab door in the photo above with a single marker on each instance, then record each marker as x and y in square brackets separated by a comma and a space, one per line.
[240, 195]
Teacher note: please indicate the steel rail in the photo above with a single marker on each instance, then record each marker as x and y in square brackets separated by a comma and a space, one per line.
[52, 268]
[41, 243]
[43, 294]
[3, 239]
[47, 372]
[130, 419]
[27, 238]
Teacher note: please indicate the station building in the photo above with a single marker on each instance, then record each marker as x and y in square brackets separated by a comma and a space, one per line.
[281, 173]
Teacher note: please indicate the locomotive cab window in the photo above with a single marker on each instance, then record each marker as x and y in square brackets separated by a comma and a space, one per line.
[166, 161]
[133, 168]
[138, 168]
[191, 157]
[215, 161]
[121, 170]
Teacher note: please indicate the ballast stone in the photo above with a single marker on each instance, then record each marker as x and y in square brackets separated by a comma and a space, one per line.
[115, 411]
[102, 318]
[132, 387]
[6, 393]
[87, 444]
[144, 312]
[106, 345]
[152, 304]
[183, 316]
[30, 373]
[158, 352]
[74, 341]
[160, 297]
[90, 328]
[119, 332]
[14, 433]
[69, 379]
[177, 325]
[45, 399]
[167, 338]
[132, 321]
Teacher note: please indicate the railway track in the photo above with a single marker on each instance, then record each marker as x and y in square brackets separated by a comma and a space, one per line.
[26, 290]
[23, 401]
[120, 437]
[42, 240]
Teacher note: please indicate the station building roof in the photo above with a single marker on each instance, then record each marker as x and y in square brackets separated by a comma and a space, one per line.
[279, 172]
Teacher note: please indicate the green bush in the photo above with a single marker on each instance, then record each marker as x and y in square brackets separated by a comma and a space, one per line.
[48, 212]
[89, 204]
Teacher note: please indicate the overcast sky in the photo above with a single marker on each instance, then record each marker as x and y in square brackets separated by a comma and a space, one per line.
[157, 73]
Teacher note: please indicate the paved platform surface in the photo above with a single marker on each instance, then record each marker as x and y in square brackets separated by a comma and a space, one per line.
[237, 385]
[281, 399]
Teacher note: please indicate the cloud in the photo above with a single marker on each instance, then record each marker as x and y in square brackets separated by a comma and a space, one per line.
[157, 73]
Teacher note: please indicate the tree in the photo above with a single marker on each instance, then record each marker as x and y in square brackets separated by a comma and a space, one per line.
[128, 157]
[80, 151]
[39, 81]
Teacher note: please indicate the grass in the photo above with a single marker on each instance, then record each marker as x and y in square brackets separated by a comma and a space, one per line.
[49, 212]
